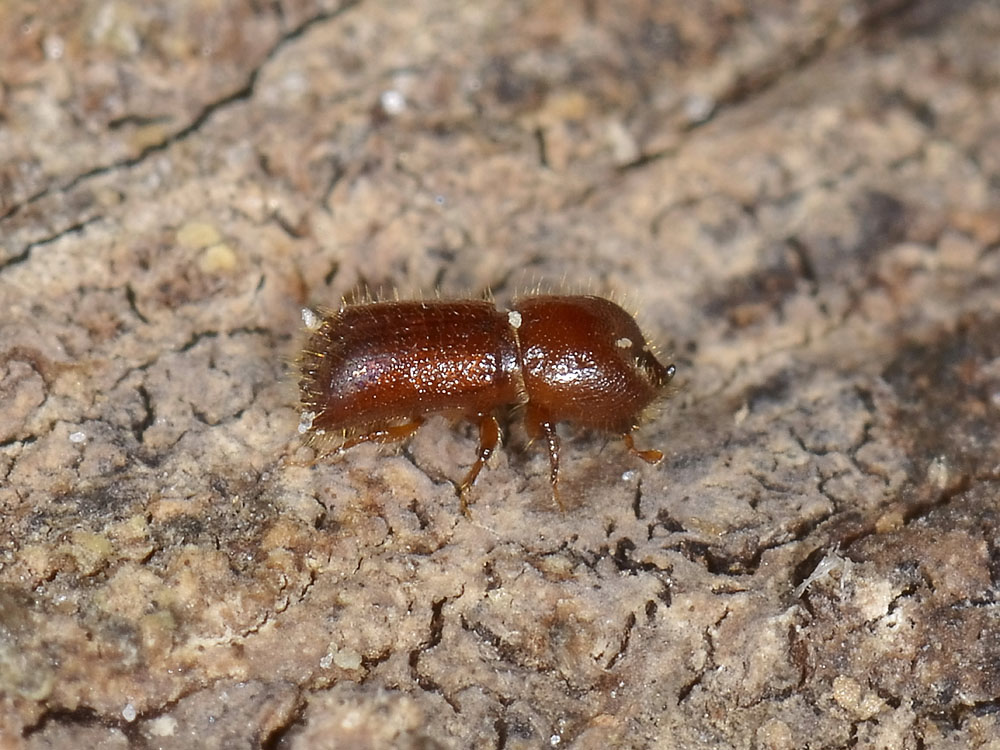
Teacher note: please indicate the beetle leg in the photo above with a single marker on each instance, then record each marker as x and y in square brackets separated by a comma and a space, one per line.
[489, 437]
[552, 440]
[388, 434]
[650, 456]
[538, 424]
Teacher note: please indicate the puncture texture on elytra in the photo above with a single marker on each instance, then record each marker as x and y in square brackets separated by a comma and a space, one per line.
[374, 371]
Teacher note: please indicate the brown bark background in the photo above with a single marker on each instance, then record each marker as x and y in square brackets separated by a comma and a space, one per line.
[802, 200]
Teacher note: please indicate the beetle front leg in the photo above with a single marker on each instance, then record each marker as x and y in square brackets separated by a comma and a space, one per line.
[539, 424]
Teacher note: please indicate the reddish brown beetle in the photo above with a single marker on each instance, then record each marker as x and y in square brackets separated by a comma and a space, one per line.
[374, 371]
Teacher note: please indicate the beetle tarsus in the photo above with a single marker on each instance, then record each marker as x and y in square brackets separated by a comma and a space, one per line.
[651, 456]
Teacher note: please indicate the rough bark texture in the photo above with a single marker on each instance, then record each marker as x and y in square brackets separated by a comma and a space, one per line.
[801, 199]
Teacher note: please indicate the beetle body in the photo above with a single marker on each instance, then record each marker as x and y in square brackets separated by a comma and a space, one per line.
[374, 371]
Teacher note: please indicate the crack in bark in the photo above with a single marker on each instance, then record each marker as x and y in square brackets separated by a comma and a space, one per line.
[241, 93]
[626, 637]
[435, 633]
[75, 228]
